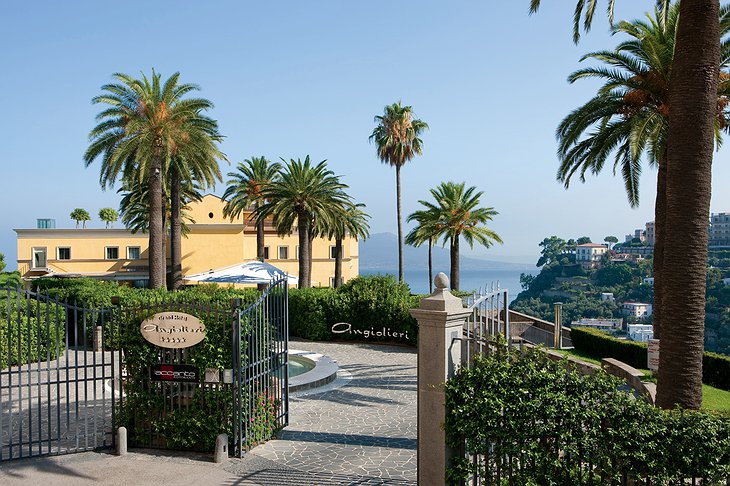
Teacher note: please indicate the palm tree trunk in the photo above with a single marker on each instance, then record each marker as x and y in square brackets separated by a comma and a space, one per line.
[156, 239]
[260, 239]
[338, 261]
[454, 262]
[400, 223]
[693, 98]
[304, 276]
[430, 265]
[175, 230]
[660, 214]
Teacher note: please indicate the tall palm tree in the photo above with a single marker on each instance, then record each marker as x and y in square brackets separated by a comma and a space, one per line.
[347, 220]
[244, 192]
[693, 87]
[301, 195]
[397, 138]
[428, 230]
[629, 117]
[459, 215]
[146, 125]
[134, 209]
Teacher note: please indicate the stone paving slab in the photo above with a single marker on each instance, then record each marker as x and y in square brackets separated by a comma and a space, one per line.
[361, 433]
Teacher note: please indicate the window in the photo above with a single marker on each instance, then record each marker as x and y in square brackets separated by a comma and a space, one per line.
[283, 253]
[111, 253]
[333, 252]
[266, 253]
[63, 253]
[39, 257]
[332, 281]
[296, 252]
[132, 253]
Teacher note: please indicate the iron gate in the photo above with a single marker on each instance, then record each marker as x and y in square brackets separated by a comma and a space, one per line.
[70, 374]
[57, 387]
[261, 363]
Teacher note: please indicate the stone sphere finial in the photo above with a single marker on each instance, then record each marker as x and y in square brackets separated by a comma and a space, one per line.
[441, 281]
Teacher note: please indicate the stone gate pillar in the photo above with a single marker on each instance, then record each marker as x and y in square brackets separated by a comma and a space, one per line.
[440, 323]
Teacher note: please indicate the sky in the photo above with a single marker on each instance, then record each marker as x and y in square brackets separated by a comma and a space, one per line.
[291, 78]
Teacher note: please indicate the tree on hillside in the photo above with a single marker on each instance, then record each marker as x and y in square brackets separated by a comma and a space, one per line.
[397, 140]
[2, 262]
[553, 248]
[109, 216]
[148, 129]
[244, 192]
[611, 240]
[583, 240]
[461, 216]
[80, 216]
[693, 97]
[299, 197]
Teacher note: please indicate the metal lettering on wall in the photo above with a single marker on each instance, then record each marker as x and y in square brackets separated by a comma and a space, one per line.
[173, 330]
[173, 372]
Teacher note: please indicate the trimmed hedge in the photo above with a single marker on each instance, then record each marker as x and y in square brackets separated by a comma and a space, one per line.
[40, 334]
[535, 421]
[715, 367]
[602, 345]
[375, 308]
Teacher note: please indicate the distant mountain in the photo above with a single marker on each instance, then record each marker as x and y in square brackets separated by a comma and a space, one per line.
[380, 252]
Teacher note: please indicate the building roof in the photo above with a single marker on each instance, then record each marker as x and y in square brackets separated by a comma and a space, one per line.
[592, 245]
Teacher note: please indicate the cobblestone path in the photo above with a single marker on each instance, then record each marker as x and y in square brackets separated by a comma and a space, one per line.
[359, 430]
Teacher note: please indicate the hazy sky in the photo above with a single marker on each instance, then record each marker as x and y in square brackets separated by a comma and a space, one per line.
[295, 78]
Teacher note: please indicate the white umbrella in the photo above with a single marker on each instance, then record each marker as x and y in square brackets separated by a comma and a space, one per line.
[244, 273]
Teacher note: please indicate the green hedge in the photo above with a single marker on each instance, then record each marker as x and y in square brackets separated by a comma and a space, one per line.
[375, 307]
[38, 329]
[538, 422]
[599, 344]
[602, 345]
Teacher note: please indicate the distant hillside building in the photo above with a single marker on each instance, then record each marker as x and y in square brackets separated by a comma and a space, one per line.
[650, 233]
[639, 234]
[719, 229]
[589, 255]
[640, 332]
[636, 309]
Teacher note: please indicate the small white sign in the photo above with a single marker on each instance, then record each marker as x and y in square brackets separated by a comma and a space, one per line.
[652, 356]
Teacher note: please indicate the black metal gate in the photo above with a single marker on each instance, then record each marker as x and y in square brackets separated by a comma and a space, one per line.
[57, 376]
[70, 375]
[261, 363]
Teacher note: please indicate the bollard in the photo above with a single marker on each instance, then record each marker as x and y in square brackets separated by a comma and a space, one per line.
[121, 441]
[221, 448]
[97, 339]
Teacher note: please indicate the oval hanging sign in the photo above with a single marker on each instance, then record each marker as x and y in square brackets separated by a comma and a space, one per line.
[173, 330]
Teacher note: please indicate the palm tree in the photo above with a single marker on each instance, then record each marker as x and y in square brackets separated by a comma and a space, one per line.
[427, 230]
[347, 220]
[303, 195]
[80, 215]
[148, 124]
[459, 215]
[134, 209]
[109, 216]
[397, 139]
[692, 94]
[244, 192]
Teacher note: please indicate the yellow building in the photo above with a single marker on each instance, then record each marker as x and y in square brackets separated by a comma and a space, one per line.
[213, 242]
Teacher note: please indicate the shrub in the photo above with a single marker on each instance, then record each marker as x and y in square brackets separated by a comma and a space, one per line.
[375, 307]
[539, 422]
[601, 345]
[37, 328]
[715, 367]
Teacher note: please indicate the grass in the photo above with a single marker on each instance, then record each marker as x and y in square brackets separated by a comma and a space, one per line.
[713, 399]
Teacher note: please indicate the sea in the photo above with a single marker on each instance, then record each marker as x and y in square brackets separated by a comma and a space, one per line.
[417, 280]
